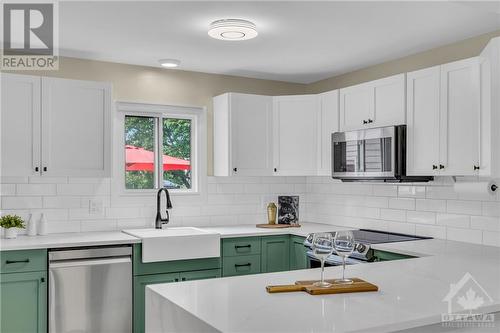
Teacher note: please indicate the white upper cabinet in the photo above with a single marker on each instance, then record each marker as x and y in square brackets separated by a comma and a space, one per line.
[423, 103]
[356, 107]
[242, 135]
[76, 122]
[59, 127]
[295, 135]
[328, 124]
[20, 125]
[444, 111]
[373, 104]
[460, 115]
[390, 99]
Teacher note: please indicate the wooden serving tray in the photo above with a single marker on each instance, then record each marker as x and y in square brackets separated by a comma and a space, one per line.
[277, 226]
[357, 286]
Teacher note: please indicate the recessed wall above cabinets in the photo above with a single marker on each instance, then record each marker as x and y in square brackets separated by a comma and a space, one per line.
[283, 135]
[55, 127]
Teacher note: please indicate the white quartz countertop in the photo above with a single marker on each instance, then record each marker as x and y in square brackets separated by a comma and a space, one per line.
[248, 230]
[411, 295]
[23, 242]
[67, 240]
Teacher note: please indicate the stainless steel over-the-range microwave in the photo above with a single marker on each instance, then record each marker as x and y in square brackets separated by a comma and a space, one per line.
[373, 154]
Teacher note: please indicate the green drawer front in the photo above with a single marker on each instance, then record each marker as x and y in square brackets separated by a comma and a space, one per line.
[241, 265]
[141, 268]
[240, 246]
[23, 261]
[200, 275]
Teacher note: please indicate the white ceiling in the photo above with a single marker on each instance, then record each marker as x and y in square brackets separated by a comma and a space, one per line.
[298, 41]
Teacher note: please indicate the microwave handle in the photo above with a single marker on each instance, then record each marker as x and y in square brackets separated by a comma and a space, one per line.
[361, 155]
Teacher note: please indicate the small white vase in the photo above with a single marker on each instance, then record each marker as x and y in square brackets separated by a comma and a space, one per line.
[10, 233]
[31, 226]
[42, 226]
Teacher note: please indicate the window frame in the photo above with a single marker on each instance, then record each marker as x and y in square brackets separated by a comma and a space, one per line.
[197, 116]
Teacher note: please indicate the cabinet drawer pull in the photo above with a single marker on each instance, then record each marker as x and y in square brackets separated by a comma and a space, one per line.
[235, 169]
[183, 279]
[365, 122]
[42, 280]
[370, 121]
[242, 246]
[434, 167]
[242, 265]
[476, 167]
[17, 261]
[441, 166]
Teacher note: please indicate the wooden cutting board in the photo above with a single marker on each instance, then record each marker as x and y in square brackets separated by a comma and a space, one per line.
[277, 226]
[357, 286]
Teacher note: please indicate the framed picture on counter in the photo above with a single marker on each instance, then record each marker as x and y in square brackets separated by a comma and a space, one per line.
[288, 209]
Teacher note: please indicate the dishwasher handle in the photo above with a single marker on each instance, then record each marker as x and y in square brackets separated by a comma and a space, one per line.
[89, 262]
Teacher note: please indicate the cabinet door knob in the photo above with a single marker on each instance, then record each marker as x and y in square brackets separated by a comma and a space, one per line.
[45, 169]
[434, 167]
[37, 168]
[275, 169]
[365, 122]
[441, 166]
[235, 169]
[370, 121]
[476, 167]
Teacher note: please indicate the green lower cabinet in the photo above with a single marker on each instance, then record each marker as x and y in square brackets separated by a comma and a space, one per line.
[298, 257]
[200, 275]
[23, 302]
[241, 265]
[275, 253]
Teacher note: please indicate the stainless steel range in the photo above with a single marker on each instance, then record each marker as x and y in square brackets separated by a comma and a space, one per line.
[363, 252]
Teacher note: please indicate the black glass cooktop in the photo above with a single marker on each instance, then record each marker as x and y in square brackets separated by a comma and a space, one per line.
[368, 236]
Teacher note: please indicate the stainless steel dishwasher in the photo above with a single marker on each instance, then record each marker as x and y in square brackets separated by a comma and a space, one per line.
[90, 290]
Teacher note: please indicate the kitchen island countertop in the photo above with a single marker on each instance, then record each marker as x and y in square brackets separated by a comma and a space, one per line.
[412, 294]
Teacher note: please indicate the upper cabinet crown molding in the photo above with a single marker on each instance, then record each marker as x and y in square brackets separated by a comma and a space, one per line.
[63, 127]
[373, 104]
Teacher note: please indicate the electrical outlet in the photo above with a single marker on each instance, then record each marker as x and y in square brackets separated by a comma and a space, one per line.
[95, 207]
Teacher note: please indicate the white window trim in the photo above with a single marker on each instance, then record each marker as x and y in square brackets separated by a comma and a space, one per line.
[198, 149]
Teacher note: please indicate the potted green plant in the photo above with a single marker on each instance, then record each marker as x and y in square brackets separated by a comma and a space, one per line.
[11, 223]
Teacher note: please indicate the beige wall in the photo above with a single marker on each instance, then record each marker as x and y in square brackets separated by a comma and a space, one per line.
[156, 85]
[464, 49]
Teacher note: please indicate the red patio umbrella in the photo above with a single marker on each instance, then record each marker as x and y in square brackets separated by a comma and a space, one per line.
[140, 159]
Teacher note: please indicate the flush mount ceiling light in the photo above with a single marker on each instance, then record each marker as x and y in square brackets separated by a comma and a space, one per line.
[169, 63]
[232, 29]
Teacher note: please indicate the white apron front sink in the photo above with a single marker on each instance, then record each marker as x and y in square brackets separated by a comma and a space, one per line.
[177, 243]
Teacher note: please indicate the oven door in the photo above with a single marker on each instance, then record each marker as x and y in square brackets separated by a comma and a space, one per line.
[332, 260]
[364, 154]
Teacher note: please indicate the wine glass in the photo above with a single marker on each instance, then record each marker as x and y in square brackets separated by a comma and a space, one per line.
[344, 246]
[322, 247]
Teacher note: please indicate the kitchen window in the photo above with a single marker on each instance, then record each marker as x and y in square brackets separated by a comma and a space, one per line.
[160, 149]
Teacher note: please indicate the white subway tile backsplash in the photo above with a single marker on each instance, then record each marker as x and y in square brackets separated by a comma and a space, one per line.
[19, 202]
[430, 231]
[491, 208]
[393, 215]
[465, 235]
[385, 190]
[485, 223]
[453, 220]
[63, 226]
[463, 207]
[36, 189]
[401, 227]
[7, 189]
[61, 202]
[431, 205]
[50, 180]
[98, 225]
[75, 189]
[230, 188]
[491, 238]
[420, 217]
[13, 180]
[441, 192]
[402, 203]
[411, 191]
